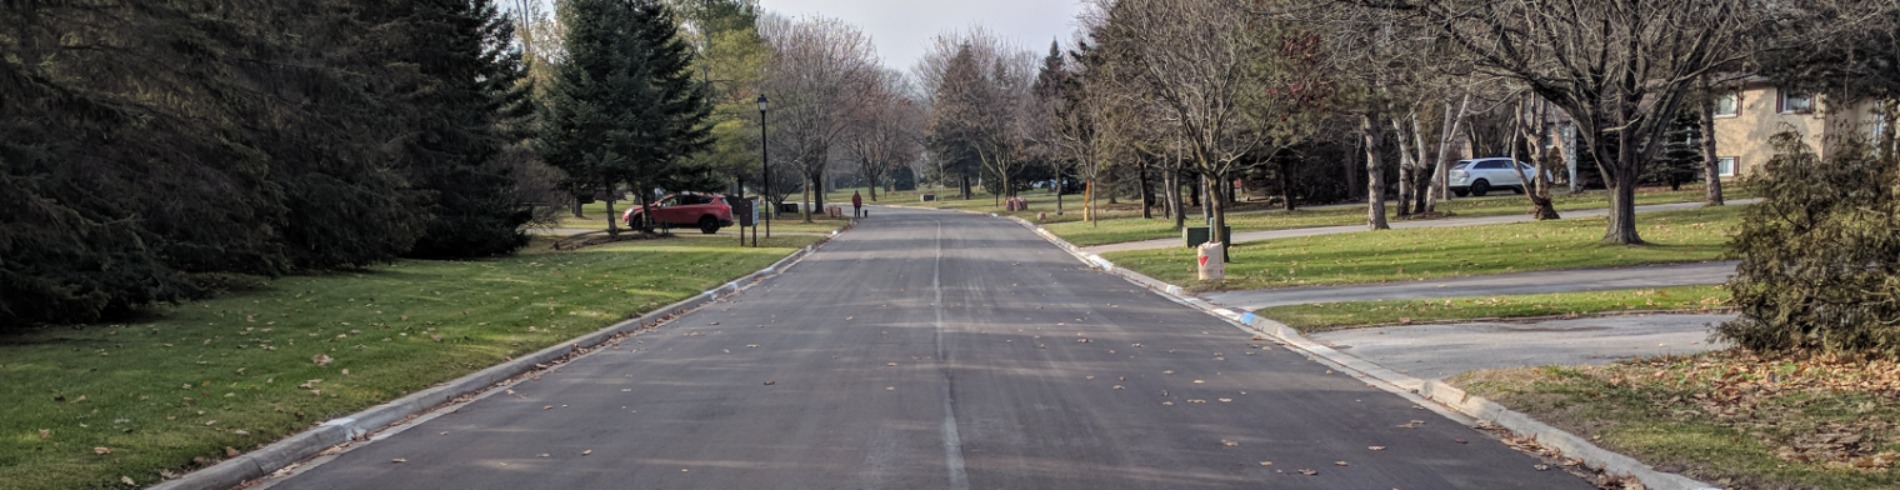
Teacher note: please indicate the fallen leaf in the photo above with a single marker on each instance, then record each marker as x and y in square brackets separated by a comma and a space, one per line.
[1266, 463]
[127, 480]
[399, 460]
[1376, 448]
[770, 382]
[321, 360]
[1229, 442]
[102, 450]
[1341, 463]
[1308, 472]
[589, 452]
[230, 452]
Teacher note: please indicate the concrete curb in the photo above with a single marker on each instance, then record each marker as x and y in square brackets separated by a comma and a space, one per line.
[360, 425]
[1476, 407]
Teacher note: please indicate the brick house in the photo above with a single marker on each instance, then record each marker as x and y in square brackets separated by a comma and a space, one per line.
[1747, 117]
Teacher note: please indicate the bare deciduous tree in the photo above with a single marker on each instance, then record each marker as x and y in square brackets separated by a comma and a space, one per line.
[1620, 68]
[886, 132]
[819, 70]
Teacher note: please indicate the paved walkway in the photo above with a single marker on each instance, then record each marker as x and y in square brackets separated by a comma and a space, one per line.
[1255, 236]
[1439, 351]
[1538, 282]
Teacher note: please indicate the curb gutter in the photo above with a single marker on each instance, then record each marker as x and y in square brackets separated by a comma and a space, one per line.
[1458, 400]
[360, 425]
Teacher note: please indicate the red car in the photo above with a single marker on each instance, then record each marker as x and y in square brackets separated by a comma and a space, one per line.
[708, 212]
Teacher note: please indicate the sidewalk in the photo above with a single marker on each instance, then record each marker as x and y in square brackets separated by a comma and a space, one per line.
[1255, 236]
[1440, 351]
[1537, 282]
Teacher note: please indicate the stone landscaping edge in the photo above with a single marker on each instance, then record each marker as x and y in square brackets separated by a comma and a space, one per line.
[1476, 407]
[360, 425]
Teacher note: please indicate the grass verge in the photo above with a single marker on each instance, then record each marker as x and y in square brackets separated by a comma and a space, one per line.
[1128, 227]
[87, 406]
[1422, 253]
[1325, 317]
[1730, 418]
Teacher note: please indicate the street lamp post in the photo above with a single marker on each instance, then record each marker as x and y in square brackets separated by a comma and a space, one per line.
[765, 186]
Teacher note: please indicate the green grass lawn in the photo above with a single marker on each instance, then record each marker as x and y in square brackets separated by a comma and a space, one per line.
[1336, 316]
[238, 371]
[1128, 226]
[1421, 253]
[1733, 419]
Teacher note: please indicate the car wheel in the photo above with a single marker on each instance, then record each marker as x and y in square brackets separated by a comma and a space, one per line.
[1461, 193]
[1480, 187]
[708, 225]
[1517, 190]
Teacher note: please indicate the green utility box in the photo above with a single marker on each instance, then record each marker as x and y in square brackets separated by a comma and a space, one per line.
[1197, 235]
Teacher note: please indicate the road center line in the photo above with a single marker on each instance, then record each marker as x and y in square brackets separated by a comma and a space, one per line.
[952, 444]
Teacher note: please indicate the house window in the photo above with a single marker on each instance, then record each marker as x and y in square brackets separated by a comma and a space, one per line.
[1795, 102]
[1726, 104]
[1725, 166]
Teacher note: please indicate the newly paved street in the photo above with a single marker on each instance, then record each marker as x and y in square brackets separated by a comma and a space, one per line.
[927, 350]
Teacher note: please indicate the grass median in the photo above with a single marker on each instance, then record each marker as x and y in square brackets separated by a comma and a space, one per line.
[1734, 419]
[87, 406]
[1325, 317]
[1423, 253]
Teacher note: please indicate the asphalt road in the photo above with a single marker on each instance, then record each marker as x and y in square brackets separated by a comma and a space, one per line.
[927, 350]
[1536, 282]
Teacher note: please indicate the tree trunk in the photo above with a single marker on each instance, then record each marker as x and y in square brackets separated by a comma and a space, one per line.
[1059, 179]
[818, 197]
[576, 204]
[1088, 202]
[1711, 164]
[1375, 177]
[1217, 224]
[1622, 182]
[1147, 195]
[1408, 160]
[613, 229]
[1286, 186]
[873, 187]
[1177, 200]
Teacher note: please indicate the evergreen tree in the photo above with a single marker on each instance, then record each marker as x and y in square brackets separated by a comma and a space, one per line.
[1680, 160]
[465, 90]
[624, 107]
[675, 106]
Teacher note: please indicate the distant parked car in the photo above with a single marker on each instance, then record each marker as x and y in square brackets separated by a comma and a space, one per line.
[708, 212]
[1478, 176]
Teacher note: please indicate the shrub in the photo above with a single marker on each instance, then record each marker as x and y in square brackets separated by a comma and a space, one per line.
[1820, 255]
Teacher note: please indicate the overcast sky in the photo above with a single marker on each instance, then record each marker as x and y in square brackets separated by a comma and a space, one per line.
[902, 28]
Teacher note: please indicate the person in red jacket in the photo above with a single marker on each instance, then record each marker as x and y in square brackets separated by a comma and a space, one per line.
[857, 205]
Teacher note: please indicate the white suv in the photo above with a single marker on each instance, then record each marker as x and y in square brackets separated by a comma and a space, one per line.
[1480, 175]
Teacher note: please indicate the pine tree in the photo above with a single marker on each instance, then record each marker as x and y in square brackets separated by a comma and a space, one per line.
[675, 107]
[465, 90]
[624, 107]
